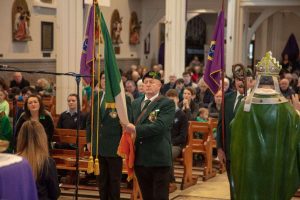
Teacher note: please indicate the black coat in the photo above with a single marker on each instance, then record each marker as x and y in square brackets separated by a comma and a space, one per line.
[45, 120]
[68, 121]
[179, 129]
[21, 85]
[47, 184]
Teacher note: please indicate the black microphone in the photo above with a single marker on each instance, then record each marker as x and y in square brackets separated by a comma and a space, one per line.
[3, 66]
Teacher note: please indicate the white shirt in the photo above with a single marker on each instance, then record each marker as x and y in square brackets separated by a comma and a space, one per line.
[151, 99]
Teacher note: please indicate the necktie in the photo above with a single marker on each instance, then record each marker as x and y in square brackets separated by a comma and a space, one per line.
[145, 104]
[238, 102]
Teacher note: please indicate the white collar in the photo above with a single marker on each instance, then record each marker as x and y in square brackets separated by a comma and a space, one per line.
[152, 98]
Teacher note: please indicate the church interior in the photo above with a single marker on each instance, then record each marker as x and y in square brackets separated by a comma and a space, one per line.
[43, 43]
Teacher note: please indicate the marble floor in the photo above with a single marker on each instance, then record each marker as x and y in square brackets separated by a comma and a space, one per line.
[216, 188]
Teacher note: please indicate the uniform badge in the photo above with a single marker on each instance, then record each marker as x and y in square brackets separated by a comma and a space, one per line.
[113, 114]
[153, 115]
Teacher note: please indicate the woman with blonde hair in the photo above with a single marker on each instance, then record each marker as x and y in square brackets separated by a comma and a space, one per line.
[32, 145]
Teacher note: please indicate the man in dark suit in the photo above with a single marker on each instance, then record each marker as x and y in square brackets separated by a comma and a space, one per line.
[110, 132]
[153, 116]
[232, 101]
[19, 81]
[170, 85]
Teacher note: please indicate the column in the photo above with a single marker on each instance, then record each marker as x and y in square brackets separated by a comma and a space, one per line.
[69, 34]
[175, 38]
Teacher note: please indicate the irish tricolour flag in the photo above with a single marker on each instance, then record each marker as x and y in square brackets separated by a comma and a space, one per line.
[114, 89]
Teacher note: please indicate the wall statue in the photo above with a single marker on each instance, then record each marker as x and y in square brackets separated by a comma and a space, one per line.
[116, 27]
[20, 21]
[134, 29]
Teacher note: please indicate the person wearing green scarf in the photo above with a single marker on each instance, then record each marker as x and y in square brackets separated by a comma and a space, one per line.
[5, 130]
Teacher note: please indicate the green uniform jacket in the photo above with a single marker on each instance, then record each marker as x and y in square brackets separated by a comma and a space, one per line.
[110, 129]
[6, 132]
[229, 115]
[153, 141]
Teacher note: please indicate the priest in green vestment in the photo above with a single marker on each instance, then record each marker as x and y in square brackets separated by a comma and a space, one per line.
[265, 142]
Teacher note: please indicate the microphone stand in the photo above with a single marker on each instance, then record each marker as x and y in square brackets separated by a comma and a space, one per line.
[77, 78]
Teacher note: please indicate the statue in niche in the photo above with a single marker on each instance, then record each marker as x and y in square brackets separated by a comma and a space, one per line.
[20, 21]
[116, 28]
[134, 27]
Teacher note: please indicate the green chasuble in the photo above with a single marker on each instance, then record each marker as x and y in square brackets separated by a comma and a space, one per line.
[265, 152]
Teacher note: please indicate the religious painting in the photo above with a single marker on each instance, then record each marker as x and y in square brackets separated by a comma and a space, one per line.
[116, 27]
[46, 36]
[147, 44]
[20, 21]
[45, 3]
[134, 29]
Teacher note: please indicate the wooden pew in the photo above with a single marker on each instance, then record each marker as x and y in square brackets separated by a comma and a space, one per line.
[202, 146]
[49, 103]
[188, 178]
[65, 159]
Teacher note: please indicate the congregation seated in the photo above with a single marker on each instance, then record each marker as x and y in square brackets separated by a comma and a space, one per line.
[44, 88]
[26, 92]
[19, 81]
[203, 94]
[187, 78]
[285, 89]
[214, 107]
[32, 145]
[203, 115]
[140, 87]
[3, 85]
[5, 130]
[179, 87]
[34, 110]
[170, 85]
[68, 118]
[179, 129]
[188, 106]
[4, 106]
[131, 88]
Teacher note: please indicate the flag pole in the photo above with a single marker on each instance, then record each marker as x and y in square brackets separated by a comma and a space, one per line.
[91, 159]
[223, 96]
[96, 166]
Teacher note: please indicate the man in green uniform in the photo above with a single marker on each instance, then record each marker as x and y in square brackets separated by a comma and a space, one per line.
[153, 115]
[110, 132]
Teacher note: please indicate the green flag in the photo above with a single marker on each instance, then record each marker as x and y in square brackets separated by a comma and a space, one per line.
[114, 89]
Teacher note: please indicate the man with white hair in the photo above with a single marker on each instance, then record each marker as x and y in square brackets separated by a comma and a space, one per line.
[140, 86]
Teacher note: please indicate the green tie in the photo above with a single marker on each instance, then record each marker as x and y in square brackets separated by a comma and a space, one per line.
[146, 103]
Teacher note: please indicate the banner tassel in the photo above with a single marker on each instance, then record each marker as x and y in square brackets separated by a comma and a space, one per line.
[96, 167]
[90, 168]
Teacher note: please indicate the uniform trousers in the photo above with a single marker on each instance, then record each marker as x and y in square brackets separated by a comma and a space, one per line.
[110, 177]
[153, 182]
